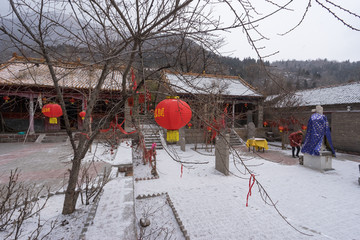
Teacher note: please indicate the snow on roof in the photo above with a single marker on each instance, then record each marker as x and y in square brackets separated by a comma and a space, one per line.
[20, 71]
[209, 84]
[340, 94]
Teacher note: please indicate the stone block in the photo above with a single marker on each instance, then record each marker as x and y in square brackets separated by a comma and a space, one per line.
[321, 163]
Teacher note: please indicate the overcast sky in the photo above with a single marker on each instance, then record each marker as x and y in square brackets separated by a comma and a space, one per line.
[320, 36]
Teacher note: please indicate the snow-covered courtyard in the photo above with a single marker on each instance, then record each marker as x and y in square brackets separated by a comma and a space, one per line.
[311, 204]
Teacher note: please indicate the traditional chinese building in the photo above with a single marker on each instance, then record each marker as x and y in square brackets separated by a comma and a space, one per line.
[26, 86]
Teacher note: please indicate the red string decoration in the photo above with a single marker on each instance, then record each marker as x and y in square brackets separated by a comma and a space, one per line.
[250, 186]
[117, 126]
[182, 168]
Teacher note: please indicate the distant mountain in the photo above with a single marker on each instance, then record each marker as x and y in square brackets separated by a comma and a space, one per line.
[185, 55]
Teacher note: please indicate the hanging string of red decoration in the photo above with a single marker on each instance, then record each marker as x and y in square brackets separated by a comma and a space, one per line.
[117, 126]
[250, 187]
[133, 79]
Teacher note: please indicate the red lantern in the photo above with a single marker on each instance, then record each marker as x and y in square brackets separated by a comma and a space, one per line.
[281, 128]
[72, 100]
[172, 114]
[52, 111]
[265, 124]
[303, 127]
[189, 125]
[44, 99]
[6, 98]
[106, 102]
[82, 114]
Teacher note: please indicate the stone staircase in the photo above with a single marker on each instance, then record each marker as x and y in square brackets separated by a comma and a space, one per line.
[152, 136]
[150, 130]
[235, 140]
[52, 138]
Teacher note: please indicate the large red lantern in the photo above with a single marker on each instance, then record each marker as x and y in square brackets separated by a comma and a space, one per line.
[172, 114]
[52, 111]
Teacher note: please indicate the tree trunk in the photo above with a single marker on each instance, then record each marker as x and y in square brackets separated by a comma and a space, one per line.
[71, 194]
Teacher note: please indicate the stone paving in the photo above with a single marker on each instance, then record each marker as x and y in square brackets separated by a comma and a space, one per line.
[38, 163]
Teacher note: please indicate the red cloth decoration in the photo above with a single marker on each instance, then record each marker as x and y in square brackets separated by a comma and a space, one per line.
[130, 101]
[250, 187]
[182, 169]
[141, 98]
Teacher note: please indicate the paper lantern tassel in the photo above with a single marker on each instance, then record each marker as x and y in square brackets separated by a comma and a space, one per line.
[172, 136]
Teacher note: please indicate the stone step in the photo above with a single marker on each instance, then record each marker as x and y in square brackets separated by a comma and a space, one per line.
[152, 137]
[54, 138]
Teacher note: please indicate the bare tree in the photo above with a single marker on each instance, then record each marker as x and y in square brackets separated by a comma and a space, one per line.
[110, 35]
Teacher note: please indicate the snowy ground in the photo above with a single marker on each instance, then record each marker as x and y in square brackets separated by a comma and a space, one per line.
[213, 206]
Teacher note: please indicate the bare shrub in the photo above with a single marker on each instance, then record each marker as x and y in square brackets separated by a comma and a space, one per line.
[19, 202]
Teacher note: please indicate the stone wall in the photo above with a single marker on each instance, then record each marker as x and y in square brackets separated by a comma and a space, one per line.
[194, 135]
[11, 138]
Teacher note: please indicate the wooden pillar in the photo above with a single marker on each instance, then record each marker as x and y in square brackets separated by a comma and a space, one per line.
[233, 114]
[31, 114]
[260, 114]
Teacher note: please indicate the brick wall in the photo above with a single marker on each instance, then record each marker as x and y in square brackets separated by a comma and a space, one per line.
[345, 131]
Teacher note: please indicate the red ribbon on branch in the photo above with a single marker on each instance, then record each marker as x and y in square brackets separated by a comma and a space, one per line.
[250, 186]
[117, 126]
[133, 79]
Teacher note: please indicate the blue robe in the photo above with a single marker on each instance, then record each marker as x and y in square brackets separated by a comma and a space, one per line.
[317, 129]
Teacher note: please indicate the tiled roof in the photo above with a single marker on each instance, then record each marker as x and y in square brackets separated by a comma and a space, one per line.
[340, 94]
[19, 71]
[209, 84]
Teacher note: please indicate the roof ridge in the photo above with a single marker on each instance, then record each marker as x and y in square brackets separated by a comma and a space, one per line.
[57, 63]
[203, 74]
[329, 86]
